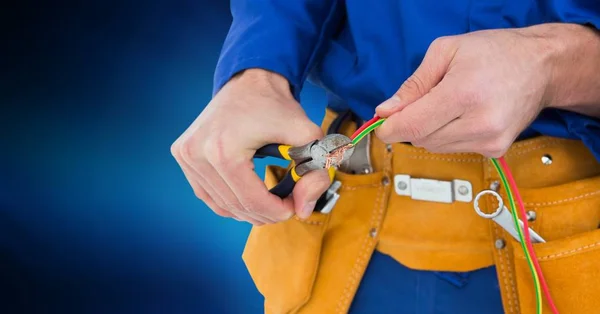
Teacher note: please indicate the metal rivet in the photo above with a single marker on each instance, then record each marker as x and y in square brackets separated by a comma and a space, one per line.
[402, 185]
[463, 190]
[385, 180]
[531, 215]
[389, 148]
[547, 159]
[494, 186]
[500, 244]
[373, 232]
[366, 171]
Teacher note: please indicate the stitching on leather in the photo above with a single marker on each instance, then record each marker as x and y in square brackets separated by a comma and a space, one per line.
[574, 198]
[416, 150]
[508, 284]
[528, 150]
[505, 277]
[354, 274]
[363, 255]
[541, 143]
[460, 160]
[359, 187]
[542, 140]
[556, 255]
[511, 280]
[310, 222]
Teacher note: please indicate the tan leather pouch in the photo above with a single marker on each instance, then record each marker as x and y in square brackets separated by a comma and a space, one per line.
[283, 258]
[568, 217]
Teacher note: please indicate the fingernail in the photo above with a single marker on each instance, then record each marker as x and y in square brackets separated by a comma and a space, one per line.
[391, 103]
[308, 209]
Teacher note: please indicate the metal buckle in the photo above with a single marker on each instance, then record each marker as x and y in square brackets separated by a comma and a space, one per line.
[433, 190]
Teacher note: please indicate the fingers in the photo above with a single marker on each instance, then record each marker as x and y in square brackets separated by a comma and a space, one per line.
[467, 135]
[430, 72]
[203, 191]
[251, 191]
[458, 130]
[423, 117]
[298, 132]
[308, 190]
[224, 197]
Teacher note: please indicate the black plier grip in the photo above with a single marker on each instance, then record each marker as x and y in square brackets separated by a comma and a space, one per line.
[286, 185]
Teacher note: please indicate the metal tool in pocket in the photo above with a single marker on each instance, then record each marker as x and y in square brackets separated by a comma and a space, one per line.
[328, 200]
[503, 217]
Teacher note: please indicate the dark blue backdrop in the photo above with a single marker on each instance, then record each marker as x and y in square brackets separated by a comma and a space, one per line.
[95, 215]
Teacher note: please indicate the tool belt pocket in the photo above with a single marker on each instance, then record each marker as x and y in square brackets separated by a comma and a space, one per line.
[570, 257]
[283, 258]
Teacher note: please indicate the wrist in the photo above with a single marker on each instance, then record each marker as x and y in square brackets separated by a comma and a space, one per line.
[265, 80]
[571, 55]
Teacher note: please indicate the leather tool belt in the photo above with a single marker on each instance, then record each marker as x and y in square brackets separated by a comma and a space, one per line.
[316, 265]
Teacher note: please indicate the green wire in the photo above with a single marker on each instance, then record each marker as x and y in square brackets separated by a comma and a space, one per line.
[521, 237]
[513, 207]
[367, 131]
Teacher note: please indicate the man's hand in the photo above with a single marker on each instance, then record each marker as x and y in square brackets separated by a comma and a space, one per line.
[475, 92]
[216, 151]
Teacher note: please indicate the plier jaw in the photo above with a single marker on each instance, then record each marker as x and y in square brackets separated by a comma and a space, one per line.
[326, 153]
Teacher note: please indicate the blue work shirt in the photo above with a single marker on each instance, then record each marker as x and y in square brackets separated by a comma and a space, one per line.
[360, 52]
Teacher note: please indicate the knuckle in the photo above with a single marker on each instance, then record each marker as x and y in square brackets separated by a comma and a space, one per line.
[469, 97]
[491, 125]
[175, 149]
[441, 43]
[414, 85]
[232, 206]
[221, 212]
[201, 194]
[408, 131]
[251, 206]
[284, 215]
[216, 155]
[186, 151]
[495, 148]
[314, 131]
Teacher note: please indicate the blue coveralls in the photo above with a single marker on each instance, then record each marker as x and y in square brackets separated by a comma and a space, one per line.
[361, 51]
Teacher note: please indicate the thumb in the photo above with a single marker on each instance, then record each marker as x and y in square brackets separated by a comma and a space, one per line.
[308, 190]
[296, 130]
[429, 73]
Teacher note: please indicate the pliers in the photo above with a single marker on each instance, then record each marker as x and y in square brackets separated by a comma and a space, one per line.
[326, 153]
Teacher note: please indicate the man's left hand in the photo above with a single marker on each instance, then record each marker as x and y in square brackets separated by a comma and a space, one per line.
[472, 93]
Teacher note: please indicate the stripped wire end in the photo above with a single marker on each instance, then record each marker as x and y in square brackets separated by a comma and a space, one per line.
[336, 156]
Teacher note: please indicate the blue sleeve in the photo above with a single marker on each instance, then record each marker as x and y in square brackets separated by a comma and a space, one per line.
[282, 36]
[584, 12]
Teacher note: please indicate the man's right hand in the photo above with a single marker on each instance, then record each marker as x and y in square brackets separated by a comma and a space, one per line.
[253, 109]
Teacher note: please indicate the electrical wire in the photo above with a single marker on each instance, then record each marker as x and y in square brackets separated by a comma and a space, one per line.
[512, 187]
[522, 240]
[512, 192]
[358, 134]
[366, 131]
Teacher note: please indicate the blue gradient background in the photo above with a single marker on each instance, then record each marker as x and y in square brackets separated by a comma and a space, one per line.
[95, 215]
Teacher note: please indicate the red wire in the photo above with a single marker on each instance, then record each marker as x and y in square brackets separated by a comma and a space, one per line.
[364, 126]
[513, 187]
